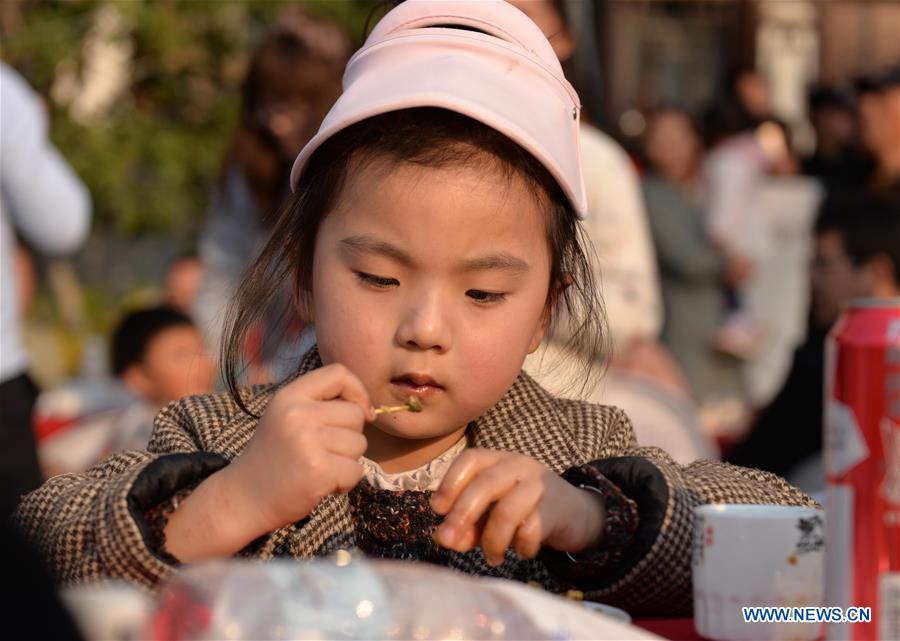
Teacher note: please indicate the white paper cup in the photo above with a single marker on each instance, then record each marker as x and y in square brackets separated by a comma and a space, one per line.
[756, 555]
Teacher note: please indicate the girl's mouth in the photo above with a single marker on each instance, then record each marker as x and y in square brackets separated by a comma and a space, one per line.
[420, 385]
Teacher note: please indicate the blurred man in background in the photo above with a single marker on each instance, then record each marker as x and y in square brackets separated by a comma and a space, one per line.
[617, 221]
[879, 113]
[857, 254]
[839, 160]
[43, 200]
[643, 378]
[618, 229]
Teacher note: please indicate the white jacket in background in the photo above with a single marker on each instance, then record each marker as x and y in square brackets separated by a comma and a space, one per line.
[40, 196]
[618, 227]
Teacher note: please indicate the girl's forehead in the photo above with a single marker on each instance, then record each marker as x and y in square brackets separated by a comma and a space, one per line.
[444, 208]
[458, 191]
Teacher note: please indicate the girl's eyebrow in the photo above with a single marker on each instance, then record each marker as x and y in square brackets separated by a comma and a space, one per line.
[501, 261]
[366, 244]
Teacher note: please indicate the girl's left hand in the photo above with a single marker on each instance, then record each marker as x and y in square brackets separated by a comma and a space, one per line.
[501, 499]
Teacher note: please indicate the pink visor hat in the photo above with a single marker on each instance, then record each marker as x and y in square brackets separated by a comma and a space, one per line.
[498, 68]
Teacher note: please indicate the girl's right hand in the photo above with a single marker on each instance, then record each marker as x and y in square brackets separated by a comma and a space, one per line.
[306, 446]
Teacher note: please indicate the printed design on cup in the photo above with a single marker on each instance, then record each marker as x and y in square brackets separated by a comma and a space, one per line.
[812, 537]
[699, 539]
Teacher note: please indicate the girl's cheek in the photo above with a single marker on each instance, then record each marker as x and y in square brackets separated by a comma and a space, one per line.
[488, 359]
[358, 327]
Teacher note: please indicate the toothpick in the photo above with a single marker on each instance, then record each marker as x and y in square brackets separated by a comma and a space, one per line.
[413, 404]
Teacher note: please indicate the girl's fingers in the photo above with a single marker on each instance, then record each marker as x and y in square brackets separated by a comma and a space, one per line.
[529, 536]
[469, 538]
[483, 490]
[506, 516]
[340, 413]
[330, 382]
[466, 467]
[343, 442]
[466, 539]
[347, 473]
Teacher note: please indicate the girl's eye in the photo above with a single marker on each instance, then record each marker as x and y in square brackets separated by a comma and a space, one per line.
[376, 281]
[485, 297]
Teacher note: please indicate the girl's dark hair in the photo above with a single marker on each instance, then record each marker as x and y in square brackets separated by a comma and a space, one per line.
[430, 137]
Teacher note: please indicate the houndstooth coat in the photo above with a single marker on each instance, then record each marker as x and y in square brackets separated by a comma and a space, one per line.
[93, 525]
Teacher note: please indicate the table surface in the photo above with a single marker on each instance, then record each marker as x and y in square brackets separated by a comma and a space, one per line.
[673, 629]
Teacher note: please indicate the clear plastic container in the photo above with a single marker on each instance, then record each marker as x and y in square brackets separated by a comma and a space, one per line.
[340, 597]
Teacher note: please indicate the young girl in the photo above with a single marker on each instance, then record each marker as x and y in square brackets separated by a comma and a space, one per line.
[431, 237]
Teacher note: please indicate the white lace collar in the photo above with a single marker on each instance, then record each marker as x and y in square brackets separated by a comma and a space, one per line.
[427, 477]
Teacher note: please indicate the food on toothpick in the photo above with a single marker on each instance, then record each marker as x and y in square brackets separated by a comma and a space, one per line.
[413, 404]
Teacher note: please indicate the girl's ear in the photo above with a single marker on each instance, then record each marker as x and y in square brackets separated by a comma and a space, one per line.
[304, 306]
[549, 309]
[541, 331]
[303, 302]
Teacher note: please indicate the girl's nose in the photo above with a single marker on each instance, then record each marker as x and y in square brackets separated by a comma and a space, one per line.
[425, 327]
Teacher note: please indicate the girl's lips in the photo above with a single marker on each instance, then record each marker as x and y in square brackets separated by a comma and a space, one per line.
[406, 387]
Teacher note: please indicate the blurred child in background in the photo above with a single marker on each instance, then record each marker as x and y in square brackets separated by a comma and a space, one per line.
[158, 357]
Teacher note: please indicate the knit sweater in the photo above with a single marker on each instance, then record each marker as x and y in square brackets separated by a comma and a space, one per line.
[93, 525]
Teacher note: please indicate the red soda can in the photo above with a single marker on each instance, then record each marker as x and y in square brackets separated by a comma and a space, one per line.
[862, 465]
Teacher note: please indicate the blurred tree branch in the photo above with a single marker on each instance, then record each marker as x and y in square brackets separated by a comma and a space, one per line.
[144, 95]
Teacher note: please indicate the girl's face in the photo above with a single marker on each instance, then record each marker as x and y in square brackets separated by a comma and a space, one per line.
[432, 282]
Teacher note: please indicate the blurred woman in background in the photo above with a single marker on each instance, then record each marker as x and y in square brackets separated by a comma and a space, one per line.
[281, 111]
[691, 268]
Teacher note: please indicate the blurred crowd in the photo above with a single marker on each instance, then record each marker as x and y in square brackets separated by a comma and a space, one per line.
[724, 258]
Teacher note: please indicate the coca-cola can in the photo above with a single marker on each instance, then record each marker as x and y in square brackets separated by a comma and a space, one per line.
[862, 464]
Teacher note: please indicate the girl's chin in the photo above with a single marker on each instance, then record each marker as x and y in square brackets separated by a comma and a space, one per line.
[410, 431]
[400, 430]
